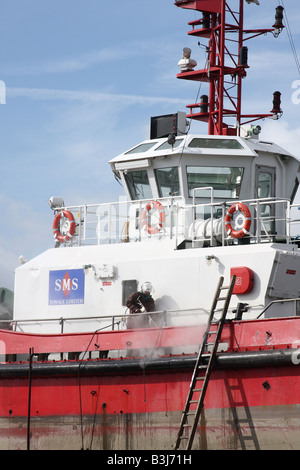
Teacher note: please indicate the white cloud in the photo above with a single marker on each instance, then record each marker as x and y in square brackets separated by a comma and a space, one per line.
[24, 231]
[82, 62]
[86, 96]
[282, 134]
[130, 51]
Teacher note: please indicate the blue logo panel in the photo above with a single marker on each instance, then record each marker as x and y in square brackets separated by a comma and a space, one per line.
[66, 287]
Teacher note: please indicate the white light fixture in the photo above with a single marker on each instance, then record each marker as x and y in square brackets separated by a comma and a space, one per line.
[56, 202]
[186, 63]
[131, 165]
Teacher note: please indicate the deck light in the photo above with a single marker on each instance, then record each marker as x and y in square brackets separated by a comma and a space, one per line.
[278, 26]
[204, 104]
[256, 130]
[56, 202]
[243, 59]
[276, 104]
[171, 139]
[206, 20]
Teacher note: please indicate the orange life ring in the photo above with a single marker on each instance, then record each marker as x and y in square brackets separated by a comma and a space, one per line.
[246, 214]
[59, 236]
[151, 229]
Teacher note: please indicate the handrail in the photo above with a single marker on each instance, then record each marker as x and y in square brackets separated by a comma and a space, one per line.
[167, 315]
[112, 318]
[211, 189]
[105, 222]
[279, 301]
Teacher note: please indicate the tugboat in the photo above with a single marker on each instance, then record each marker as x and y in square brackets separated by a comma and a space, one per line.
[207, 222]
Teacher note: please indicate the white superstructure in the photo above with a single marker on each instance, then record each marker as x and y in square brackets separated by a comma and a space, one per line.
[172, 229]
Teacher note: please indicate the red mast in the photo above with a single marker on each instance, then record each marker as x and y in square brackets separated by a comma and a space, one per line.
[226, 64]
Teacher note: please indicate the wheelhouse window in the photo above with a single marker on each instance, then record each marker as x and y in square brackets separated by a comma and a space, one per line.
[225, 181]
[265, 188]
[294, 190]
[167, 180]
[167, 146]
[264, 184]
[211, 143]
[141, 148]
[138, 184]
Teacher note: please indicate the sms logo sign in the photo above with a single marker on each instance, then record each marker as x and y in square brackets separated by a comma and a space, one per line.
[66, 287]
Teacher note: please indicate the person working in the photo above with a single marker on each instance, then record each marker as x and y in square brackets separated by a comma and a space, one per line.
[139, 302]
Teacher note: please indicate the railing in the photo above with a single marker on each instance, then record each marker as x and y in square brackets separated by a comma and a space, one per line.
[158, 319]
[110, 222]
[114, 336]
[294, 222]
[120, 222]
[282, 301]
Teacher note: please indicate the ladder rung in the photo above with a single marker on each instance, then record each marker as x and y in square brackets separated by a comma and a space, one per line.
[208, 354]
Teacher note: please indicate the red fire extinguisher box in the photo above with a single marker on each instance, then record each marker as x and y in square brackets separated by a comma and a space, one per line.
[244, 279]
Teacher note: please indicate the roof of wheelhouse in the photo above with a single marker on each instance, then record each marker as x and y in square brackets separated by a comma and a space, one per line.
[197, 144]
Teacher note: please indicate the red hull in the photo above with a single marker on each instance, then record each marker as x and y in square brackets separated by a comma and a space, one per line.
[61, 407]
[123, 403]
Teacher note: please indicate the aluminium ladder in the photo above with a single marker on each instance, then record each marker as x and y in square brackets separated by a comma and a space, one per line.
[199, 383]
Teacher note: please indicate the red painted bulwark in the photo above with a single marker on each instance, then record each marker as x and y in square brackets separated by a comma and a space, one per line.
[242, 335]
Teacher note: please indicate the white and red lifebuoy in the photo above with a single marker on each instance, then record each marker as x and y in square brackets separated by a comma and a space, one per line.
[156, 210]
[56, 226]
[244, 214]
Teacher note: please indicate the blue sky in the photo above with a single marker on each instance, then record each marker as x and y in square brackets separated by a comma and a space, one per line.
[82, 80]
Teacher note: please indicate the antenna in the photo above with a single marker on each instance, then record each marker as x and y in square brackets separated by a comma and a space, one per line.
[227, 64]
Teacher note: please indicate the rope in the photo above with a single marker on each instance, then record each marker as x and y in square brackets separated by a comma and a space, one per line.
[95, 415]
[79, 388]
[290, 36]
